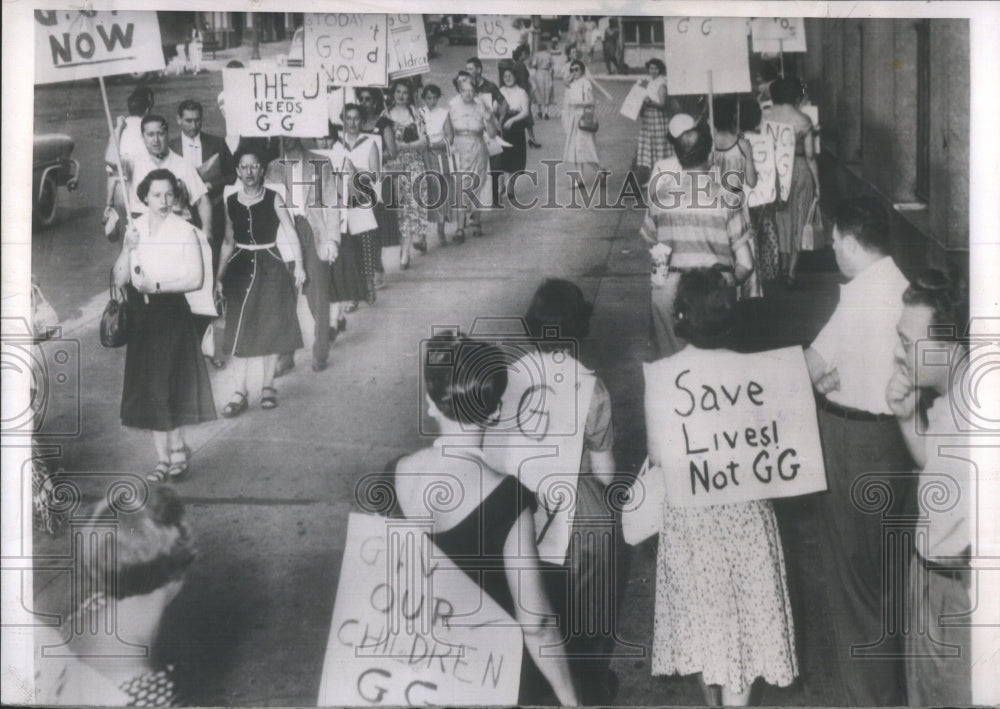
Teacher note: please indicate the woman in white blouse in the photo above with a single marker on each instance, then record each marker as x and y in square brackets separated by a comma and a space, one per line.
[514, 158]
[437, 159]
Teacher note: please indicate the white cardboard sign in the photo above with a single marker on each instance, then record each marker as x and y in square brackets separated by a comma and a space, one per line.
[728, 427]
[407, 46]
[540, 440]
[696, 47]
[409, 627]
[275, 101]
[349, 49]
[782, 136]
[496, 37]
[766, 190]
[77, 44]
[778, 34]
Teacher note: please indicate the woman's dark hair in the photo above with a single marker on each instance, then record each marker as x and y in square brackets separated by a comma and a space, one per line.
[409, 90]
[558, 311]
[142, 191]
[352, 107]
[750, 114]
[250, 149]
[724, 112]
[378, 100]
[658, 64]
[154, 545]
[577, 62]
[509, 68]
[787, 90]
[234, 64]
[465, 378]
[519, 51]
[463, 74]
[947, 296]
[693, 146]
[704, 307]
[431, 90]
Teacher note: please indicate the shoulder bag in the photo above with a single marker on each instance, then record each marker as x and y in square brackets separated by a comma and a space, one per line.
[588, 121]
[114, 320]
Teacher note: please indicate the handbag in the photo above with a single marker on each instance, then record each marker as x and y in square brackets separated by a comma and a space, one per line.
[44, 321]
[494, 145]
[813, 229]
[410, 133]
[114, 319]
[588, 121]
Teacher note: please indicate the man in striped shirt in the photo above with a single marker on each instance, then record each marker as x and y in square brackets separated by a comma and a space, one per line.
[703, 223]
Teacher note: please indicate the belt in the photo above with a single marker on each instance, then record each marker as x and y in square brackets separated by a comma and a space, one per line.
[849, 414]
[955, 571]
[255, 247]
[723, 269]
[469, 132]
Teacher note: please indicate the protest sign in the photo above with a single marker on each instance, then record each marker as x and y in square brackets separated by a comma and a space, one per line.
[698, 46]
[496, 37]
[409, 627]
[778, 34]
[540, 439]
[77, 44]
[729, 427]
[632, 105]
[349, 49]
[407, 46]
[765, 191]
[782, 137]
[275, 101]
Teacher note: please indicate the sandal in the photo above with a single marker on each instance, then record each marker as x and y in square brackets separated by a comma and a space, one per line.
[237, 406]
[178, 468]
[268, 401]
[159, 473]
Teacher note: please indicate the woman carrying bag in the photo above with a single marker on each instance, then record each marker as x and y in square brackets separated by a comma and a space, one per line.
[166, 384]
[580, 123]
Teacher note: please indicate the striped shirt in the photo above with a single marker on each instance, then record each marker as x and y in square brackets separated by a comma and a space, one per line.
[696, 217]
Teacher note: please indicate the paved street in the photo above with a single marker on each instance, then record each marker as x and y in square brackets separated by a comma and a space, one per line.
[270, 491]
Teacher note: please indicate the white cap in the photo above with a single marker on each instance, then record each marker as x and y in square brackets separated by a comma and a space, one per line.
[680, 124]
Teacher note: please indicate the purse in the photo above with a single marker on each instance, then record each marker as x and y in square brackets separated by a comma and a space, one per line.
[588, 121]
[114, 319]
[813, 230]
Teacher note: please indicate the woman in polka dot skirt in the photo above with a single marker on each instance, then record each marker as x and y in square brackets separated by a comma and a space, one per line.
[722, 607]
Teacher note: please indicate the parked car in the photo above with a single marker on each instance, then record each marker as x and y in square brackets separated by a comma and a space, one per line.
[52, 167]
[462, 29]
[297, 49]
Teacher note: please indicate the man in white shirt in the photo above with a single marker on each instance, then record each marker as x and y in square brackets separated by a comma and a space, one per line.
[851, 363]
[929, 352]
[158, 155]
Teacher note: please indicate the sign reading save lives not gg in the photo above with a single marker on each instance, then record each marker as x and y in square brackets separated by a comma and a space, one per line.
[275, 102]
[728, 427]
[409, 627]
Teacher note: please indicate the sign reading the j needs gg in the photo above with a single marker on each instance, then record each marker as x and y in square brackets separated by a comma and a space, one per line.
[275, 102]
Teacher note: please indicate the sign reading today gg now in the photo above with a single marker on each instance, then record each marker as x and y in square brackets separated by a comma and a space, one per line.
[349, 49]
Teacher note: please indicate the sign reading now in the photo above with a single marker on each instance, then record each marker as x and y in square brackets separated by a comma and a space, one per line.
[77, 44]
[727, 427]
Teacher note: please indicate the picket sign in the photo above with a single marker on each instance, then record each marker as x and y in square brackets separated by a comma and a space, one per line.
[695, 46]
[727, 427]
[778, 34]
[766, 190]
[348, 49]
[782, 136]
[496, 37]
[407, 46]
[409, 627]
[276, 101]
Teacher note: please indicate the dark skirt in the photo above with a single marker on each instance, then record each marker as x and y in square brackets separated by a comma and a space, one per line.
[260, 305]
[436, 162]
[347, 279]
[515, 158]
[166, 382]
[388, 219]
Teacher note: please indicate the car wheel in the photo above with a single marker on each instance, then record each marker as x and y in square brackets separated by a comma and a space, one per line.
[45, 205]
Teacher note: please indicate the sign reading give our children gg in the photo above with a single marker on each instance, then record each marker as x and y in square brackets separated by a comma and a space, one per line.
[84, 44]
[409, 627]
[275, 101]
[348, 49]
[729, 427]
